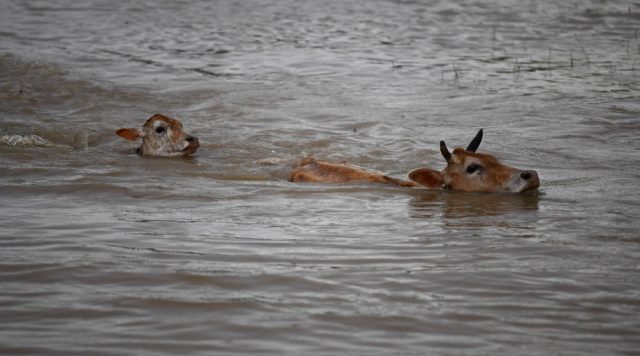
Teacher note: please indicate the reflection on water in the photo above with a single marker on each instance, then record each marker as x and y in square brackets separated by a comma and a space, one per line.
[459, 205]
[105, 252]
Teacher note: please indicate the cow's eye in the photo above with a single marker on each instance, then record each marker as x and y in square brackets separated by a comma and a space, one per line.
[160, 129]
[472, 168]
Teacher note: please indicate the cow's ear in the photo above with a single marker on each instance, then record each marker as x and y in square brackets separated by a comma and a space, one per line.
[427, 177]
[129, 134]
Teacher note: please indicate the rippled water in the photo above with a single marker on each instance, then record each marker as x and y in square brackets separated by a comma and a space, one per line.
[104, 252]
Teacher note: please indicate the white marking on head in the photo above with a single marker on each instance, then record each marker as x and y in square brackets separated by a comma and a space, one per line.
[162, 136]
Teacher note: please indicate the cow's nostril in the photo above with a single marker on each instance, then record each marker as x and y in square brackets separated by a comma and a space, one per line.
[525, 175]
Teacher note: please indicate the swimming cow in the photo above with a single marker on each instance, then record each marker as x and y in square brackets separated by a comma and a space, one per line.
[466, 170]
[162, 136]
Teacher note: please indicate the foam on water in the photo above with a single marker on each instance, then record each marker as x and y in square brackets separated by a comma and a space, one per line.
[29, 141]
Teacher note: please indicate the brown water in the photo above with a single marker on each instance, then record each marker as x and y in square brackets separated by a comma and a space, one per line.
[103, 252]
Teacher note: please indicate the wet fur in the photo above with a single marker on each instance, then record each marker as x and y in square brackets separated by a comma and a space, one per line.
[172, 142]
[313, 170]
[490, 176]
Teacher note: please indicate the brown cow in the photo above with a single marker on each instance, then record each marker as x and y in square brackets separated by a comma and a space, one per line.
[162, 136]
[466, 171]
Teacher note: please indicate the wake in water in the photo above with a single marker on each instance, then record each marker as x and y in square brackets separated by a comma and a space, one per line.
[30, 141]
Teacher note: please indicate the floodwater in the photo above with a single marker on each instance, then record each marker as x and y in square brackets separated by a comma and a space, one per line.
[104, 252]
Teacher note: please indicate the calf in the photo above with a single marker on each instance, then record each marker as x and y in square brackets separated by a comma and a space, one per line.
[161, 136]
[466, 171]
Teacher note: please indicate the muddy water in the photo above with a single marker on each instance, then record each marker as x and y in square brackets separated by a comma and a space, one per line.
[104, 252]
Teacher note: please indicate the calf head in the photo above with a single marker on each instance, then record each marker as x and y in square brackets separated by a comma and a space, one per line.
[475, 172]
[162, 136]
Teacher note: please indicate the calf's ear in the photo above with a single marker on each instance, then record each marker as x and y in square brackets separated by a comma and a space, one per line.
[427, 177]
[129, 134]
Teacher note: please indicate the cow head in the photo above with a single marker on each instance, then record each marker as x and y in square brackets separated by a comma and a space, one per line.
[162, 136]
[475, 172]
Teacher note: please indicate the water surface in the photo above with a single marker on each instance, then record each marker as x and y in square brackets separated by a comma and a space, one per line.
[104, 252]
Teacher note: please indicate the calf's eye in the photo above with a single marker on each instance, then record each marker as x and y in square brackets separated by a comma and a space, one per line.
[472, 168]
[160, 129]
